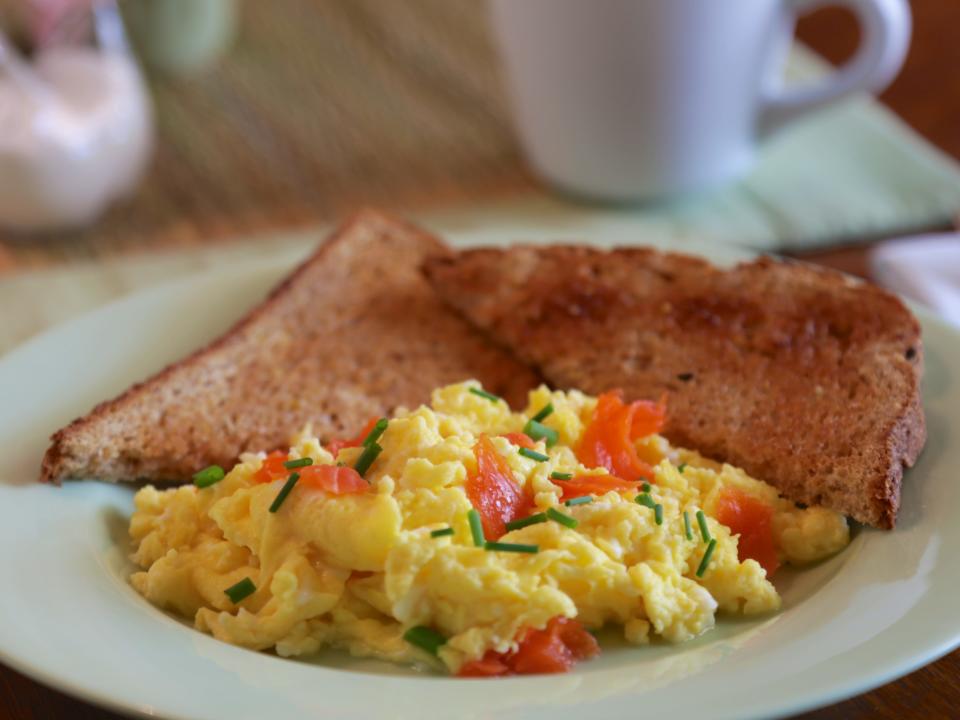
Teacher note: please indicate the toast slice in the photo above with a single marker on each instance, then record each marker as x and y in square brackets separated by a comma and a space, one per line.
[354, 332]
[804, 377]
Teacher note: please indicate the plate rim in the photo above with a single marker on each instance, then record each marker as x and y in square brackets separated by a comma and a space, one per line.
[273, 269]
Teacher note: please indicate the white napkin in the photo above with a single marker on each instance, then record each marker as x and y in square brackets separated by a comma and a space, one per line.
[925, 268]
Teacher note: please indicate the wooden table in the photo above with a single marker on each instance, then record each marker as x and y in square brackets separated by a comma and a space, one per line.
[927, 96]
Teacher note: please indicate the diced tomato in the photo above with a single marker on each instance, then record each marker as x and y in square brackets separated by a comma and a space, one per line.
[595, 485]
[555, 649]
[333, 479]
[272, 467]
[609, 439]
[752, 520]
[490, 665]
[581, 643]
[521, 439]
[648, 417]
[541, 652]
[335, 446]
[493, 491]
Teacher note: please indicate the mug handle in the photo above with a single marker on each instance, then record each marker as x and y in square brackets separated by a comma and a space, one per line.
[886, 26]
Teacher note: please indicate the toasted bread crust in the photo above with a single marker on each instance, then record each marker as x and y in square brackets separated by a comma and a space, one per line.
[804, 377]
[353, 332]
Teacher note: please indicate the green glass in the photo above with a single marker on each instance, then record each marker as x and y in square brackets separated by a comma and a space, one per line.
[180, 36]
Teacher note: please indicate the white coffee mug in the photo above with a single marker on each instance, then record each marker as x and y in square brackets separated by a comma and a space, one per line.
[627, 100]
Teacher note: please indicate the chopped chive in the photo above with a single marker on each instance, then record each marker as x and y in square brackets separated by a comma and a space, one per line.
[243, 589]
[341, 464]
[681, 467]
[302, 462]
[476, 527]
[704, 529]
[511, 547]
[559, 517]
[284, 491]
[706, 558]
[442, 532]
[533, 455]
[688, 531]
[425, 638]
[561, 475]
[208, 476]
[645, 499]
[367, 457]
[582, 500]
[376, 432]
[484, 394]
[524, 522]
[544, 412]
[539, 431]
[645, 487]
[658, 514]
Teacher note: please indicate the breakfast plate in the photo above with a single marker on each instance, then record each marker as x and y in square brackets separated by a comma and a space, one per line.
[879, 609]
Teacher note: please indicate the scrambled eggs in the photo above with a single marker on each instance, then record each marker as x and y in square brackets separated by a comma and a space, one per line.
[358, 568]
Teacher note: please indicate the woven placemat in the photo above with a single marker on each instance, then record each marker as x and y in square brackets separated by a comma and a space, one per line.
[325, 105]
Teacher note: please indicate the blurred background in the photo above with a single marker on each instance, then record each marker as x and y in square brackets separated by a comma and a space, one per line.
[282, 114]
[300, 110]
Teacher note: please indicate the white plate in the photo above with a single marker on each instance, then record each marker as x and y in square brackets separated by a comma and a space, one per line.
[69, 618]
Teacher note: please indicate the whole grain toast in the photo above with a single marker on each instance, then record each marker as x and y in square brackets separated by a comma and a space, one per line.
[804, 377]
[354, 332]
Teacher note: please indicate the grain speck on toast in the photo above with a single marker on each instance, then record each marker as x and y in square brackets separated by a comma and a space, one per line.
[802, 376]
[354, 332]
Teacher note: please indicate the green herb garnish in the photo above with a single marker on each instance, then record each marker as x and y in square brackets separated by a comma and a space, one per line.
[425, 638]
[681, 467]
[645, 487]
[559, 517]
[243, 589]
[208, 476]
[544, 413]
[533, 454]
[484, 394]
[706, 558]
[704, 529]
[442, 532]
[284, 491]
[511, 547]
[538, 431]
[645, 499]
[367, 457]
[582, 500]
[378, 429]
[476, 527]
[524, 522]
[302, 462]
[658, 514]
[688, 531]
[561, 476]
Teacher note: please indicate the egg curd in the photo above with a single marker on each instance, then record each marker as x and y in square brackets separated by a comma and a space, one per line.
[476, 539]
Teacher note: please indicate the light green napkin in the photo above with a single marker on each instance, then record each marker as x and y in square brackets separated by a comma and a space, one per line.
[851, 172]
